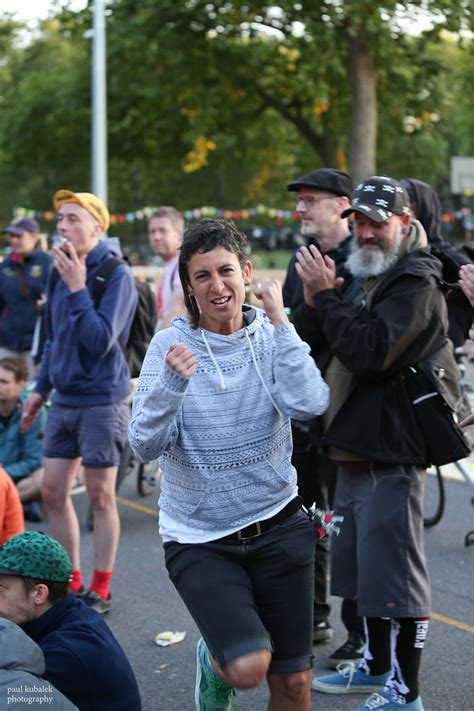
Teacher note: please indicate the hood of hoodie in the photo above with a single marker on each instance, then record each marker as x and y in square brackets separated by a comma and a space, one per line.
[222, 344]
[104, 247]
[217, 345]
[426, 206]
[18, 651]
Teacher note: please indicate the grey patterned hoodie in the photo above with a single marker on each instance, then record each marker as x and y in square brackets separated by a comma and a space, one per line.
[224, 435]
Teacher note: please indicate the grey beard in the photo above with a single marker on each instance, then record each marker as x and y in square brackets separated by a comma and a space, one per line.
[367, 263]
[310, 231]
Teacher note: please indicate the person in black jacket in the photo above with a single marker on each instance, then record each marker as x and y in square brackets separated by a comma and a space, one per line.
[426, 207]
[83, 659]
[322, 195]
[365, 334]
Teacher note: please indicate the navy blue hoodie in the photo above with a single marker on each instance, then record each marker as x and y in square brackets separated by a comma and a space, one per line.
[83, 659]
[82, 357]
[18, 316]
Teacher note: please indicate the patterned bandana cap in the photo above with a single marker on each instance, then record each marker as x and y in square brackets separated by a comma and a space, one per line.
[379, 198]
[89, 202]
[35, 555]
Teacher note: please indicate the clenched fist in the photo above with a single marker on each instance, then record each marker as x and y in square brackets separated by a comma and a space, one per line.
[269, 292]
[180, 359]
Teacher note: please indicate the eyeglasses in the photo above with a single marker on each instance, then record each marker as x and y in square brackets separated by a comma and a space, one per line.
[310, 202]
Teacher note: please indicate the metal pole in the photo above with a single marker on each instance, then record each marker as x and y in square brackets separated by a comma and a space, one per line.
[99, 104]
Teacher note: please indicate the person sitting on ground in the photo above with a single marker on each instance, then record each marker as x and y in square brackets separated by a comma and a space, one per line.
[21, 669]
[21, 453]
[11, 511]
[214, 401]
[83, 658]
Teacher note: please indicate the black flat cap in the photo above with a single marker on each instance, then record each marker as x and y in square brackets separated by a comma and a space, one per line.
[330, 179]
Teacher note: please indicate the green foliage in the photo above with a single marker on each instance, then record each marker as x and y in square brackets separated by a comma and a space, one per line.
[223, 103]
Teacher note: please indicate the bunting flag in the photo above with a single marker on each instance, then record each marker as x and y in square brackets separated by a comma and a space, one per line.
[278, 216]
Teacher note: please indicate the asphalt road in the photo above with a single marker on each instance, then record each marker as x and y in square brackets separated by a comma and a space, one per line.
[145, 603]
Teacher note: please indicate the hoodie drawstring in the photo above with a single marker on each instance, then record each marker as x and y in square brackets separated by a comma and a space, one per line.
[260, 375]
[254, 360]
[216, 364]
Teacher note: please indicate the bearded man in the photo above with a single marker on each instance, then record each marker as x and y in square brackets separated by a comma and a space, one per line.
[365, 332]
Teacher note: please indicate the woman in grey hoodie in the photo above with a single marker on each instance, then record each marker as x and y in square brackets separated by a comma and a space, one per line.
[214, 401]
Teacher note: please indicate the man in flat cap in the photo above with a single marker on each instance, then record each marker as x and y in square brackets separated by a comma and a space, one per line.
[83, 659]
[84, 362]
[388, 316]
[23, 276]
[321, 197]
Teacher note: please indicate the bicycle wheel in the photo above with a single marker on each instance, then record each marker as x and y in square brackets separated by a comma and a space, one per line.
[148, 477]
[126, 466]
[434, 500]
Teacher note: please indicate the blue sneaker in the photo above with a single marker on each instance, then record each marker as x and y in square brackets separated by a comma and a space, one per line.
[211, 694]
[349, 680]
[385, 701]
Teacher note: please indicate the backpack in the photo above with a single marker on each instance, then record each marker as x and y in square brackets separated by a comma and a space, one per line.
[143, 325]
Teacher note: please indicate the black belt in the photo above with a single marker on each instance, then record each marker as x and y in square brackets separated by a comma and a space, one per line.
[363, 467]
[256, 529]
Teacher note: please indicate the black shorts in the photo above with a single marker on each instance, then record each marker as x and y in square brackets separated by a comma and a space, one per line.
[252, 595]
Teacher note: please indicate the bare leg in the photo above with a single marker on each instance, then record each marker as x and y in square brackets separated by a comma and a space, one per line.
[30, 487]
[55, 491]
[101, 489]
[245, 672]
[290, 692]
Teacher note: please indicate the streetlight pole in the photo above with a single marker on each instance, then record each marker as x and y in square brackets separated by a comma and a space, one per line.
[99, 104]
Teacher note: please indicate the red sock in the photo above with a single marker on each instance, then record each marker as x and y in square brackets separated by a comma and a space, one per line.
[76, 582]
[100, 583]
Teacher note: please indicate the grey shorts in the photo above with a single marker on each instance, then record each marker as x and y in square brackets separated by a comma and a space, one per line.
[97, 434]
[379, 556]
[252, 595]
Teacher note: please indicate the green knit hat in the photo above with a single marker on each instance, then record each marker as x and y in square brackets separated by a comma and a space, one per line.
[35, 555]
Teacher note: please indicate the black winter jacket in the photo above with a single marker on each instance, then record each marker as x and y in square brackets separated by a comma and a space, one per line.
[406, 323]
[293, 288]
[83, 658]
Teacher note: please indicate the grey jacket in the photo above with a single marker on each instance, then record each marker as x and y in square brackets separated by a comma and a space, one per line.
[21, 667]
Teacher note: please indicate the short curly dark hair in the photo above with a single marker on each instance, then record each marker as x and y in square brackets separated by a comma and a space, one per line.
[203, 236]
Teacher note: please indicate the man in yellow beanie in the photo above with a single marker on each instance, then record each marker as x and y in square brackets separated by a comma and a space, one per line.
[84, 365]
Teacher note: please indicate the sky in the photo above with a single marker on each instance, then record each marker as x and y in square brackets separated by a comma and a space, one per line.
[34, 9]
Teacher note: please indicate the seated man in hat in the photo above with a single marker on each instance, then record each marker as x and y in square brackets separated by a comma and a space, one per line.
[83, 659]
